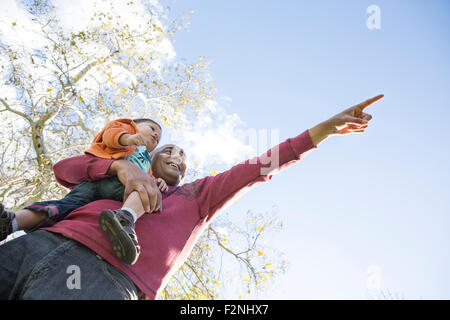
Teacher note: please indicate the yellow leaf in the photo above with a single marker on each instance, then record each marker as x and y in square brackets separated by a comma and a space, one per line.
[260, 253]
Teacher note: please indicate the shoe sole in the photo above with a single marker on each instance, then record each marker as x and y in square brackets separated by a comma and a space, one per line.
[122, 244]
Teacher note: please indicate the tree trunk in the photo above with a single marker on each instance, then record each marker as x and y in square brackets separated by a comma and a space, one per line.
[44, 162]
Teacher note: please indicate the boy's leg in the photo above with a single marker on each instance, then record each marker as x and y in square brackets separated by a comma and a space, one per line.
[112, 188]
[119, 225]
[27, 219]
[45, 213]
[134, 203]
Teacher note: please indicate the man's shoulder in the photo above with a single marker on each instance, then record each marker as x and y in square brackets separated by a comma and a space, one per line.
[189, 191]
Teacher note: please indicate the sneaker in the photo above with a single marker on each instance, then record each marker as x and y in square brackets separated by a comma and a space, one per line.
[6, 219]
[119, 227]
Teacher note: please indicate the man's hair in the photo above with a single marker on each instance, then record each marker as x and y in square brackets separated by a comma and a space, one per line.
[141, 120]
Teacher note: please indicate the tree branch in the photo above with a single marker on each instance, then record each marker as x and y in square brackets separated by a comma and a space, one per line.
[21, 114]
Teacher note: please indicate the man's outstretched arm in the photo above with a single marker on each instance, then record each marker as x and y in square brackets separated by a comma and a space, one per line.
[216, 192]
[72, 171]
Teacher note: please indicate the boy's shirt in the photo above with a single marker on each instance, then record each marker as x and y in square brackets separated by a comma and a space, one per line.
[141, 158]
[106, 144]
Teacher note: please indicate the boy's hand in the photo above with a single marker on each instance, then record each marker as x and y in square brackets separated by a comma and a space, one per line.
[162, 185]
[132, 139]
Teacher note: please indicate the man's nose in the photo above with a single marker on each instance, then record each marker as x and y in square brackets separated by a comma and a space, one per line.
[177, 159]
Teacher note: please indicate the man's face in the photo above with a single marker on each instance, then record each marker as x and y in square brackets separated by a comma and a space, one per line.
[169, 163]
[151, 133]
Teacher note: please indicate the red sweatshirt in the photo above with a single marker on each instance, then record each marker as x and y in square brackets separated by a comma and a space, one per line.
[167, 238]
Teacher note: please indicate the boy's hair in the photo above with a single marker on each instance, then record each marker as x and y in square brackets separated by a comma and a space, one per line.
[141, 120]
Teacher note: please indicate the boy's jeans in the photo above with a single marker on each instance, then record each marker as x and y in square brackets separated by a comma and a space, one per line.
[44, 265]
[82, 194]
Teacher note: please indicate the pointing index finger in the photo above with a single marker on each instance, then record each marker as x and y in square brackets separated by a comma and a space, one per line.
[370, 101]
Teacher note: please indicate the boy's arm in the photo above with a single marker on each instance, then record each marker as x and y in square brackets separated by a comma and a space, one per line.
[117, 132]
[127, 139]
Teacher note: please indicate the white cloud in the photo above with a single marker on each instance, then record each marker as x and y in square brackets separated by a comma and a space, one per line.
[212, 140]
[76, 15]
[17, 26]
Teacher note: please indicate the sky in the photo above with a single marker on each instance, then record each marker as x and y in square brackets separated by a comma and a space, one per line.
[363, 215]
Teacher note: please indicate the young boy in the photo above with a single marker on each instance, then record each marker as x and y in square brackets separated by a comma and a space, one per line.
[127, 139]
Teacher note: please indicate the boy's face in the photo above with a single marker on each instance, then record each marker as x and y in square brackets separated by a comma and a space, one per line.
[151, 133]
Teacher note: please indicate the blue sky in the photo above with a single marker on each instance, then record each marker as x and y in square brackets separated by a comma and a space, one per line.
[377, 199]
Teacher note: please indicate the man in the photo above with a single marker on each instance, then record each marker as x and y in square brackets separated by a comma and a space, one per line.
[36, 266]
